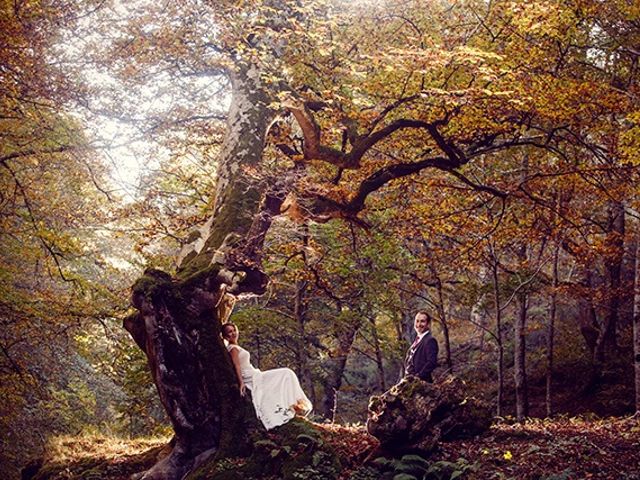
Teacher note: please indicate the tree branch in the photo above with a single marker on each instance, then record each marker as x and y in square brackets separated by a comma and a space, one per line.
[392, 172]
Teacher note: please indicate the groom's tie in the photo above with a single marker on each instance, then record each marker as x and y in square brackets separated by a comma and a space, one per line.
[412, 349]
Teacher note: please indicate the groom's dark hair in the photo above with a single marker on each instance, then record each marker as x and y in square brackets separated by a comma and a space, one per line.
[423, 312]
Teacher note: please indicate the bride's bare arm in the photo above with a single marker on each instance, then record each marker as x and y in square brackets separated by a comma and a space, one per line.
[236, 363]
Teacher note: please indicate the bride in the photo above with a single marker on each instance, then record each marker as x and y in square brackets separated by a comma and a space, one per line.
[276, 394]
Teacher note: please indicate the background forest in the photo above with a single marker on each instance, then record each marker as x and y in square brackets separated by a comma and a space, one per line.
[113, 118]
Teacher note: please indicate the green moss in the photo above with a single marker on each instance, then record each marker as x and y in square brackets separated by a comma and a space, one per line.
[189, 257]
[413, 386]
[218, 468]
[188, 279]
[235, 216]
[290, 432]
[312, 465]
[193, 236]
[153, 284]
[295, 450]
[146, 286]
[193, 270]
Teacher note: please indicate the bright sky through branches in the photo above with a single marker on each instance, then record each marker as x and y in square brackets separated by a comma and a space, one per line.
[135, 117]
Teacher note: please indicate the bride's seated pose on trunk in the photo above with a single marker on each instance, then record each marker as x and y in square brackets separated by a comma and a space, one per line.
[276, 394]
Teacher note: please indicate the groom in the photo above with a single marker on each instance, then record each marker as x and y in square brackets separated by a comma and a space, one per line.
[422, 357]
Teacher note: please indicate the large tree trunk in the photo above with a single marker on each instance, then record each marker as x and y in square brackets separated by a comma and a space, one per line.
[606, 330]
[179, 318]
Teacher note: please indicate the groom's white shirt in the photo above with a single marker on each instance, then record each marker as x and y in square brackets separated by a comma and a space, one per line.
[415, 344]
[419, 338]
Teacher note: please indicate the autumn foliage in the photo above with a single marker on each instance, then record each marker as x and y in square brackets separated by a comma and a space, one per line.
[369, 159]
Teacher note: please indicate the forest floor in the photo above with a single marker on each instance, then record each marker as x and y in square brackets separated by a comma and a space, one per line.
[559, 449]
[562, 448]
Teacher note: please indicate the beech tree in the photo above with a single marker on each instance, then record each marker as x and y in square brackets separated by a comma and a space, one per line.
[328, 109]
[323, 110]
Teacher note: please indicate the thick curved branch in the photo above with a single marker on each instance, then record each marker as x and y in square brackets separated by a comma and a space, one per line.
[365, 143]
[454, 153]
[383, 176]
[330, 208]
[270, 207]
[314, 150]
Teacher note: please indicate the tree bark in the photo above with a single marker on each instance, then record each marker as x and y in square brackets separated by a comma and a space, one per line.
[636, 322]
[378, 351]
[613, 277]
[520, 358]
[498, 310]
[178, 320]
[478, 313]
[551, 331]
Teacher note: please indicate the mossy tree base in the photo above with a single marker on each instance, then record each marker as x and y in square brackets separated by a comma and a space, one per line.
[179, 330]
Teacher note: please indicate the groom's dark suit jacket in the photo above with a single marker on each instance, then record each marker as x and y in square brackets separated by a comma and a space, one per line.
[424, 359]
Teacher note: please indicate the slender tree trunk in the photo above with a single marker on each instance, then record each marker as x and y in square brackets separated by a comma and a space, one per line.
[520, 354]
[551, 330]
[587, 314]
[300, 314]
[478, 314]
[345, 332]
[382, 384]
[443, 321]
[520, 347]
[498, 310]
[613, 276]
[520, 326]
[636, 321]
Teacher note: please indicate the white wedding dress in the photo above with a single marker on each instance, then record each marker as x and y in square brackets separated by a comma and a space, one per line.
[274, 392]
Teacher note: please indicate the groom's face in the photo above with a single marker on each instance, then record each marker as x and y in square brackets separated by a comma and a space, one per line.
[421, 323]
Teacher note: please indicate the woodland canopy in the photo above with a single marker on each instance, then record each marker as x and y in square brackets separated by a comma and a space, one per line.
[317, 171]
